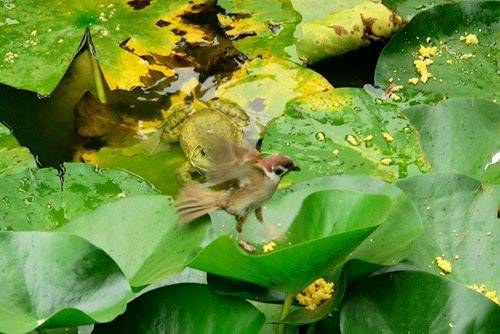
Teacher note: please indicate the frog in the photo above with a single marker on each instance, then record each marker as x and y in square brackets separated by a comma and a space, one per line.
[190, 127]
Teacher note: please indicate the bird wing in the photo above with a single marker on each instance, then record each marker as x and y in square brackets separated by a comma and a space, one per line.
[232, 162]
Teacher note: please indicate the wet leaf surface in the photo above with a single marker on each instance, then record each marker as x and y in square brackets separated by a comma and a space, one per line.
[35, 54]
[55, 280]
[13, 157]
[460, 136]
[417, 302]
[35, 199]
[346, 131]
[186, 308]
[460, 67]
[409, 8]
[460, 225]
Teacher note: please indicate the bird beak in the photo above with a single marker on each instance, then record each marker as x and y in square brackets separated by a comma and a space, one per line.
[295, 168]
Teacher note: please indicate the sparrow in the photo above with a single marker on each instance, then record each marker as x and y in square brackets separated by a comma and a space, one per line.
[252, 180]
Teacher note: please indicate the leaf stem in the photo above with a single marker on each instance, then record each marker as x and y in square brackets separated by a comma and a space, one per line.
[99, 84]
[285, 309]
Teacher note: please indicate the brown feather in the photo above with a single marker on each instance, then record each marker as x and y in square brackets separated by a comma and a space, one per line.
[195, 201]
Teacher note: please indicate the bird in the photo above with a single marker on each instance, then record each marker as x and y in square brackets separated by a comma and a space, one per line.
[251, 178]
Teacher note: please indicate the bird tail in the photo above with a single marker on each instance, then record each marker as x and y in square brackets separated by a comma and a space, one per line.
[195, 201]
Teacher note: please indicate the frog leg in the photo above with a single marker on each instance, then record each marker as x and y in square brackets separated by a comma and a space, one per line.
[183, 173]
[240, 221]
[258, 214]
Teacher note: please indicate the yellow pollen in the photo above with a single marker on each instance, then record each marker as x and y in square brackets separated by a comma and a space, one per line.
[387, 137]
[469, 39]
[413, 80]
[269, 247]
[444, 265]
[315, 294]
[428, 51]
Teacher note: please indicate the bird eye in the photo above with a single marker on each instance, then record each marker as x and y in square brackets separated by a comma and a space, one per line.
[279, 171]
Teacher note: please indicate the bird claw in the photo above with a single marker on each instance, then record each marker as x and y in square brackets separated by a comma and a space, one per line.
[246, 246]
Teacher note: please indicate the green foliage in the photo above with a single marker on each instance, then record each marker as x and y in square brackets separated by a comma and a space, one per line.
[458, 69]
[397, 181]
[346, 131]
[175, 309]
[402, 301]
[13, 157]
[56, 279]
[460, 136]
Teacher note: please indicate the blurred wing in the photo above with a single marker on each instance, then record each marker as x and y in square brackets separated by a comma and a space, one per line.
[231, 161]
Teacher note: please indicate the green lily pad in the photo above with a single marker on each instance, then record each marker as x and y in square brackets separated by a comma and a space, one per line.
[261, 27]
[56, 280]
[417, 302]
[264, 87]
[13, 157]
[39, 41]
[142, 235]
[298, 31]
[36, 199]
[186, 308]
[346, 131]
[409, 8]
[340, 26]
[460, 136]
[161, 166]
[460, 225]
[459, 68]
[352, 208]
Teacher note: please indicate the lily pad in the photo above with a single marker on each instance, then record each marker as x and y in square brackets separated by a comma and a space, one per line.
[346, 131]
[464, 63]
[261, 28]
[345, 203]
[460, 136]
[142, 235]
[186, 308]
[264, 87]
[460, 225]
[56, 280]
[298, 31]
[38, 199]
[39, 42]
[13, 157]
[340, 27]
[409, 8]
[417, 302]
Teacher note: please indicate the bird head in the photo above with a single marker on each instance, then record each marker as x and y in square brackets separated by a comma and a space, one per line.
[278, 165]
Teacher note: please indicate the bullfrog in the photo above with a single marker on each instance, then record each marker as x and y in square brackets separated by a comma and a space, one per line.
[193, 129]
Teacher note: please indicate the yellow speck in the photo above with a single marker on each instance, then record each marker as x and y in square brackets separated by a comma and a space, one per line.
[469, 39]
[315, 294]
[269, 247]
[368, 138]
[352, 140]
[449, 62]
[450, 325]
[387, 137]
[413, 80]
[335, 152]
[444, 265]
[428, 39]
[386, 161]
[421, 67]
[466, 56]
[395, 97]
[491, 295]
[428, 51]
[391, 79]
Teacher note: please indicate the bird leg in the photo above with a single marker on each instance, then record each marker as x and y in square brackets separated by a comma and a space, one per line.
[258, 214]
[239, 227]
